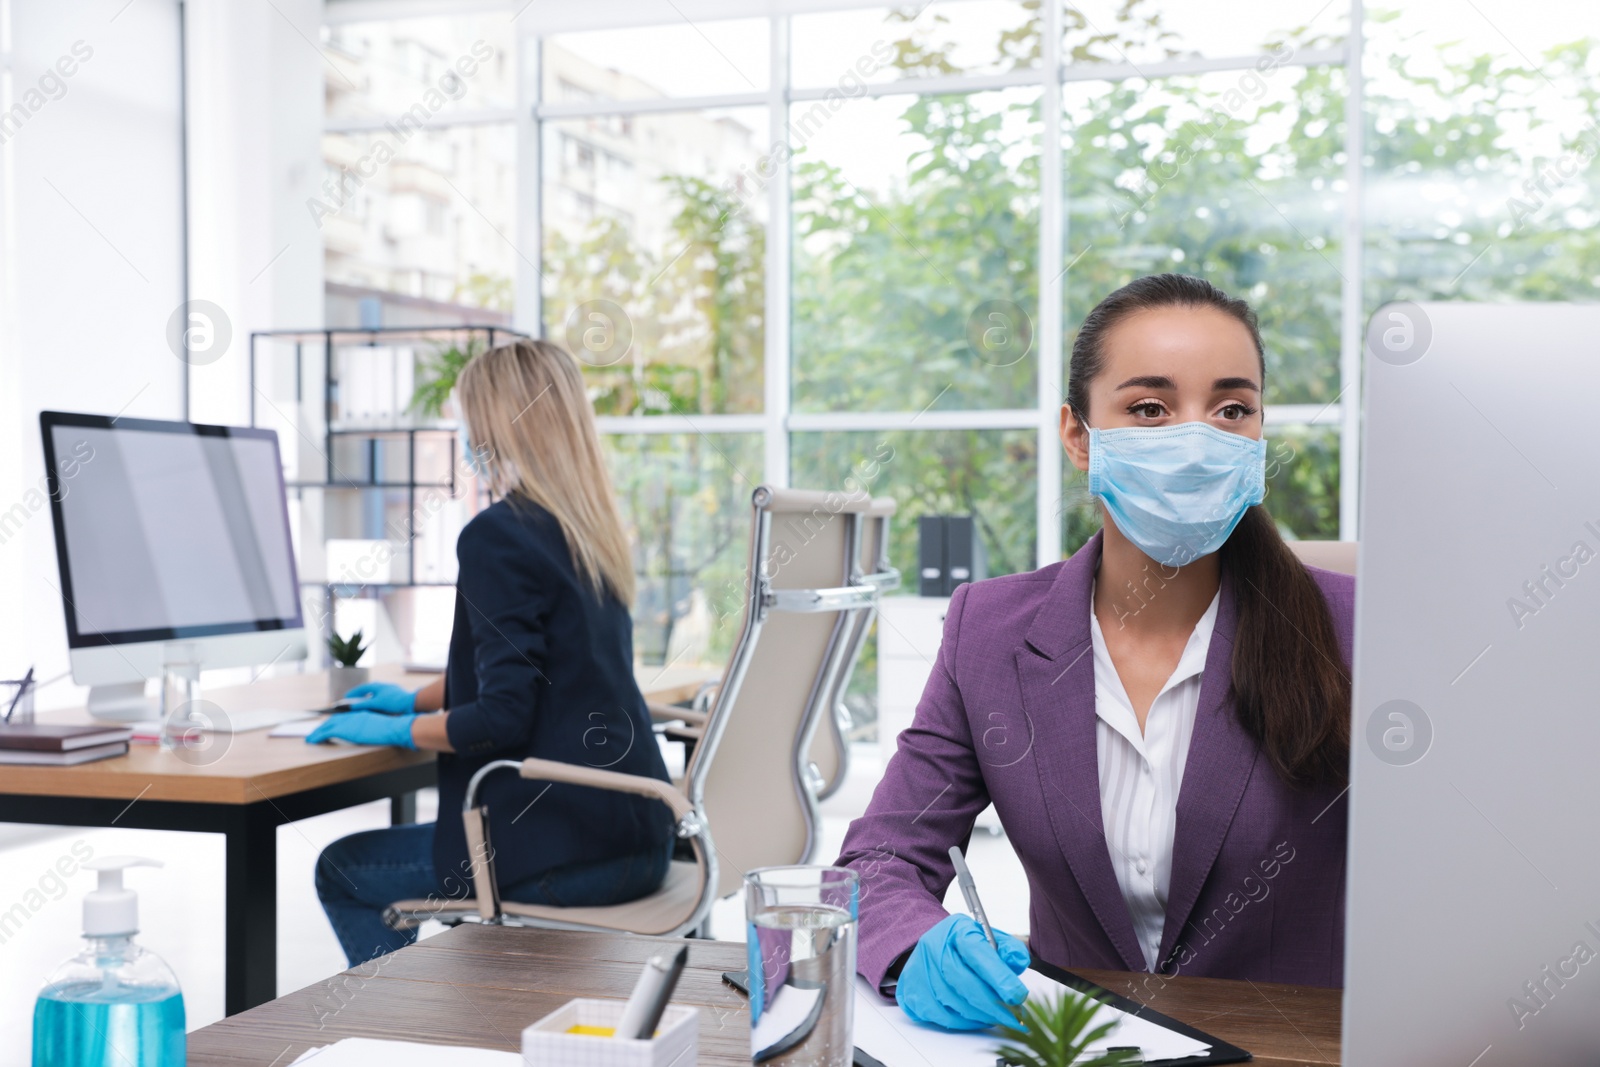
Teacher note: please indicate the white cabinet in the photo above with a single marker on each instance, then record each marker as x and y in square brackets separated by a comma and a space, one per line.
[909, 631]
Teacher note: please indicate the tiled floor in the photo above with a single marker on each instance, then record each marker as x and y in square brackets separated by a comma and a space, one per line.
[181, 904]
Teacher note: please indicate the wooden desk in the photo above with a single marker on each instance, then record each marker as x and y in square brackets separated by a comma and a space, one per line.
[480, 985]
[1280, 1024]
[244, 786]
[673, 683]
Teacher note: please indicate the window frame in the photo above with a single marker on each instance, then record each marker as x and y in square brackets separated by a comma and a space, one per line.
[777, 421]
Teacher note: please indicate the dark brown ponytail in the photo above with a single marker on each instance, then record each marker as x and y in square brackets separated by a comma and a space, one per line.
[1291, 689]
[1290, 685]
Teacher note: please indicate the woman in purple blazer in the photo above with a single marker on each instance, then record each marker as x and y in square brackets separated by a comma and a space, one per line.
[1162, 721]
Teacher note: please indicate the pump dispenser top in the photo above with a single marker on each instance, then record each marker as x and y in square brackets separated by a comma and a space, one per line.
[111, 910]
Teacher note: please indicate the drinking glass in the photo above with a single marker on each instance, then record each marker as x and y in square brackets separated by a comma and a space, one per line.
[180, 688]
[801, 944]
[18, 696]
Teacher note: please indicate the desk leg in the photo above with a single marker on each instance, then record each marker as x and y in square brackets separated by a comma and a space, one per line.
[251, 937]
[403, 809]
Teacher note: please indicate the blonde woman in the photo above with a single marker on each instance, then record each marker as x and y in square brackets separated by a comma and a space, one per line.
[541, 664]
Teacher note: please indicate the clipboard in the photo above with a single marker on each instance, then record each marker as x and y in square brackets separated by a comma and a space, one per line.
[1221, 1051]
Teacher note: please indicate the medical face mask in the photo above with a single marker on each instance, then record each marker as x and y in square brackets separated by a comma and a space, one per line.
[474, 460]
[1177, 492]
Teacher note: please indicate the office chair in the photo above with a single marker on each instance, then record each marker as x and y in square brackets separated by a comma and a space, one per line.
[749, 780]
[830, 748]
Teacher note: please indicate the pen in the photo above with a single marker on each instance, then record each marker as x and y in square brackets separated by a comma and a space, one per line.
[22, 687]
[969, 890]
[650, 996]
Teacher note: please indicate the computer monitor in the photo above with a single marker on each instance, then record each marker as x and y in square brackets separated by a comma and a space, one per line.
[1473, 929]
[168, 532]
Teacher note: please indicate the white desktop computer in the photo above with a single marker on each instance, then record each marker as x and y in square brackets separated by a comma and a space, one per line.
[168, 533]
[1473, 932]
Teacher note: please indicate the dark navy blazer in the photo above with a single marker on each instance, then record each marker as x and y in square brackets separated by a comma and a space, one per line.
[541, 666]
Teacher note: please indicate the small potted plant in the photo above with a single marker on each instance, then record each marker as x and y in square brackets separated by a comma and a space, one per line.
[346, 653]
[1055, 1033]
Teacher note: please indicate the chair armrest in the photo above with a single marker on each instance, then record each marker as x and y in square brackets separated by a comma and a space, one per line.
[481, 853]
[706, 694]
[684, 733]
[669, 713]
[546, 770]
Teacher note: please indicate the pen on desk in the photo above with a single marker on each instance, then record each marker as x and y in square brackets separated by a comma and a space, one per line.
[22, 688]
[650, 996]
[969, 890]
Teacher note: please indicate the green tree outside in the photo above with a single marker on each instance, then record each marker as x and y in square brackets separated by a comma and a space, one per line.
[1235, 176]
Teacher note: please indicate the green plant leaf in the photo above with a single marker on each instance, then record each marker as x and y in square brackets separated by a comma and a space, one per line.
[437, 374]
[347, 651]
[1054, 1032]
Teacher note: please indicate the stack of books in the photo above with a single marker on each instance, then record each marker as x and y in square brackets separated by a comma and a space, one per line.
[61, 746]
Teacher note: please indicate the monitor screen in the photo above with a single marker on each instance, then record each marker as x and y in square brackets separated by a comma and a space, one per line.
[168, 529]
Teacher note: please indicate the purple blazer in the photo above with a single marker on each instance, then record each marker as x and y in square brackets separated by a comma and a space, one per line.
[1008, 716]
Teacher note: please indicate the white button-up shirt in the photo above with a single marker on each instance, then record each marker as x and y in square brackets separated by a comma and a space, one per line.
[1140, 774]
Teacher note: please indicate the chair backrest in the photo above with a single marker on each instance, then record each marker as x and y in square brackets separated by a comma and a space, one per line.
[749, 773]
[830, 748]
[1329, 555]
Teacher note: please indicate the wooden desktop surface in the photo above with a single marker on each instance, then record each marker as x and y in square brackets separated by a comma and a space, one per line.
[480, 985]
[253, 766]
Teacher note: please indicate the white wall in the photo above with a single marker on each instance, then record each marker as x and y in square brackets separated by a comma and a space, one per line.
[91, 235]
[255, 159]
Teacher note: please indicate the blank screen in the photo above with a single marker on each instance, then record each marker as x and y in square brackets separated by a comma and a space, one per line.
[174, 530]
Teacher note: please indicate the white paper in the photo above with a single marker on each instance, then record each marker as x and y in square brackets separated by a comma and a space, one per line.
[365, 1051]
[891, 1037]
[301, 729]
[146, 730]
[298, 728]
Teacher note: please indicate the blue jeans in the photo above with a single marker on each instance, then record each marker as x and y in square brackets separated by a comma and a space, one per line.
[360, 875]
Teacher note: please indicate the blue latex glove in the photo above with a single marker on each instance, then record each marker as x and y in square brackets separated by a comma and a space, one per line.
[956, 980]
[384, 697]
[365, 728]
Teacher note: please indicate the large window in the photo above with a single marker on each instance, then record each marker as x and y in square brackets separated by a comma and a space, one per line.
[859, 240]
[654, 255]
[799, 247]
[912, 214]
[417, 208]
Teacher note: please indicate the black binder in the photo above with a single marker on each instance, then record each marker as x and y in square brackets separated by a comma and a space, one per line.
[930, 556]
[963, 553]
[949, 553]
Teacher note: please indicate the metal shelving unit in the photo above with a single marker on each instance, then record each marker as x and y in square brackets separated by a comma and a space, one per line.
[359, 459]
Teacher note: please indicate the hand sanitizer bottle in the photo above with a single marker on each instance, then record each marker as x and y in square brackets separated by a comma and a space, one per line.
[114, 1004]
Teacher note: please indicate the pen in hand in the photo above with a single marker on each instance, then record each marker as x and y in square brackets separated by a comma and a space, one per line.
[969, 892]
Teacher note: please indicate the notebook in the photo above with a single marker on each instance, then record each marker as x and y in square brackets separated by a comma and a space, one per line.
[63, 759]
[52, 737]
